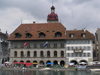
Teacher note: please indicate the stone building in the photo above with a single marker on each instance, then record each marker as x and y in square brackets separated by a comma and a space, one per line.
[36, 35]
[97, 44]
[3, 47]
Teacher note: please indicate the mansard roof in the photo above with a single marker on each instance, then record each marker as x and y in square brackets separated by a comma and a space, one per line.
[47, 28]
[77, 34]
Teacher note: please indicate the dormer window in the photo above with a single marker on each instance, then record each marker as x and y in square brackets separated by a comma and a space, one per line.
[83, 35]
[41, 35]
[17, 35]
[71, 35]
[28, 35]
[58, 34]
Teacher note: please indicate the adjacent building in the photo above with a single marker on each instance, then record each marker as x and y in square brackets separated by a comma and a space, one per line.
[97, 45]
[79, 46]
[4, 56]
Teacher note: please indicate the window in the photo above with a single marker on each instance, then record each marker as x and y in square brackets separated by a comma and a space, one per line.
[55, 45]
[41, 45]
[88, 48]
[22, 54]
[84, 54]
[88, 54]
[68, 48]
[35, 45]
[71, 35]
[17, 35]
[35, 54]
[28, 53]
[28, 46]
[83, 35]
[15, 53]
[55, 53]
[48, 46]
[62, 45]
[62, 53]
[28, 35]
[68, 54]
[42, 35]
[48, 53]
[72, 54]
[41, 53]
[15, 46]
[58, 34]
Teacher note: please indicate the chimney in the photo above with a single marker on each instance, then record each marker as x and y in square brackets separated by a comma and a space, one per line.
[33, 21]
[84, 29]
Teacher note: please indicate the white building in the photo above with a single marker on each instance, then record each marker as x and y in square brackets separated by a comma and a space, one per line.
[79, 46]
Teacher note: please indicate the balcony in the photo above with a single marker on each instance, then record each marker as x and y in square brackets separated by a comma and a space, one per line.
[78, 51]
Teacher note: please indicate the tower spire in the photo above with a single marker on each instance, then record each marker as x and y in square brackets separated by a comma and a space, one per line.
[52, 17]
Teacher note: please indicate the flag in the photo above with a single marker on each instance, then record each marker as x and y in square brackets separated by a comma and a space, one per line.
[45, 44]
[25, 44]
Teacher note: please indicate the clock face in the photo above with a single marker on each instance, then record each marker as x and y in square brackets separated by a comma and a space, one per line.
[52, 10]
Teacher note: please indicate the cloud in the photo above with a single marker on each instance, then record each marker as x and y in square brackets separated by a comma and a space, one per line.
[11, 18]
[77, 14]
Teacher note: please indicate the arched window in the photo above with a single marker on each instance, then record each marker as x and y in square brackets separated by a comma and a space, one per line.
[41, 53]
[48, 53]
[28, 53]
[58, 34]
[28, 35]
[22, 54]
[35, 54]
[15, 53]
[42, 35]
[55, 53]
[17, 35]
[62, 53]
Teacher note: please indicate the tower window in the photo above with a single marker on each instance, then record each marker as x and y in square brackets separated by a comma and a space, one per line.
[41, 35]
[71, 35]
[28, 35]
[83, 35]
[17, 35]
[58, 34]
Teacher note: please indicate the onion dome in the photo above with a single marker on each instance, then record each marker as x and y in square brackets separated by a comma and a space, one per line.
[52, 16]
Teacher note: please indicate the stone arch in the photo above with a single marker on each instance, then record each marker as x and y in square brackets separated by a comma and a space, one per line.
[83, 62]
[35, 63]
[62, 62]
[74, 61]
[48, 64]
[55, 62]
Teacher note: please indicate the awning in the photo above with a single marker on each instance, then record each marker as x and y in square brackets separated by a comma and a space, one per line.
[49, 63]
[19, 62]
[34, 63]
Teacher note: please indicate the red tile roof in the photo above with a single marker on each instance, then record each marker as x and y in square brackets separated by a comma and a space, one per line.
[47, 28]
[77, 34]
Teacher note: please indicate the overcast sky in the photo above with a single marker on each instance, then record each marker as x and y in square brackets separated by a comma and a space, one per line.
[73, 14]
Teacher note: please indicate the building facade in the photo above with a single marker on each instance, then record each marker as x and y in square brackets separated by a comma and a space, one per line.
[4, 47]
[58, 50]
[79, 46]
[36, 35]
[97, 44]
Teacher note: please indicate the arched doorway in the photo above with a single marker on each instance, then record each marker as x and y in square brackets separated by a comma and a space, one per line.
[83, 62]
[48, 65]
[41, 63]
[55, 62]
[28, 61]
[74, 61]
[34, 63]
[62, 63]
